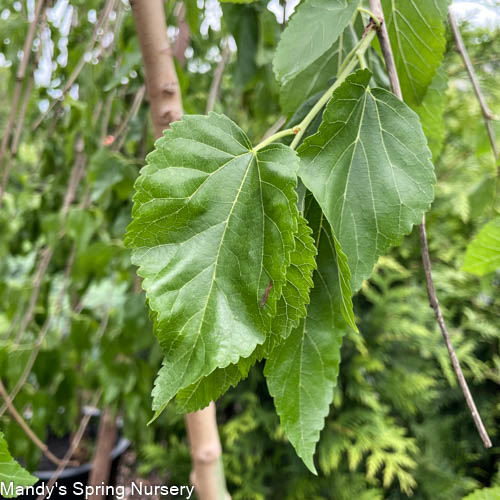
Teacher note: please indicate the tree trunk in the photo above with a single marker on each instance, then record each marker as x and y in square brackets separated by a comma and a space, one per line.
[166, 106]
[101, 464]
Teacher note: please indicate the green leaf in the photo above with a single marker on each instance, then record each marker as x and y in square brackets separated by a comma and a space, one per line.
[316, 76]
[417, 36]
[369, 168]
[302, 372]
[213, 224]
[484, 494]
[431, 113]
[483, 253]
[11, 473]
[307, 54]
[210, 388]
[291, 309]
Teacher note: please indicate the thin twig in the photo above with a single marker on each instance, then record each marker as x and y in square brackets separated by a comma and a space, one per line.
[274, 127]
[26, 428]
[45, 259]
[383, 36]
[103, 19]
[119, 135]
[75, 442]
[217, 79]
[487, 115]
[43, 332]
[28, 42]
[184, 35]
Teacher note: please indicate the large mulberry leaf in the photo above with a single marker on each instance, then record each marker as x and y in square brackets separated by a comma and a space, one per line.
[213, 225]
[418, 40]
[292, 307]
[369, 168]
[302, 371]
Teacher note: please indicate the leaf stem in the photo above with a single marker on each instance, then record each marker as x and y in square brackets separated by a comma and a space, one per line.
[349, 64]
[274, 137]
[373, 17]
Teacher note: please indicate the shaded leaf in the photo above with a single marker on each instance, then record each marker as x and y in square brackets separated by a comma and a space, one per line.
[483, 253]
[369, 168]
[11, 473]
[291, 309]
[213, 224]
[307, 54]
[418, 41]
[431, 113]
[302, 372]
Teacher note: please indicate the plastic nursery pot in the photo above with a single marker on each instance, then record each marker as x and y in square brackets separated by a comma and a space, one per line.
[68, 483]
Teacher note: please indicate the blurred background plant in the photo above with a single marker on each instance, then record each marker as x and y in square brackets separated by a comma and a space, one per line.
[72, 317]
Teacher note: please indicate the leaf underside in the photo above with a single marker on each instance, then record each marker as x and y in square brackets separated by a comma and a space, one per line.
[369, 168]
[213, 225]
[302, 371]
[304, 68]
[483, 253]
[418, 41]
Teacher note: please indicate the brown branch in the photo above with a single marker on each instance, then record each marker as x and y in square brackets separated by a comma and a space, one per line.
[166, 106]
[101, 23]
[383, 36]
[119, 135]
[217, 79]
[161, 79]
[487, 115]
[43, 332]
[101, 463]
[75, 442]
[183, 37]
[26, 428]
[45, 258]
[21, 72]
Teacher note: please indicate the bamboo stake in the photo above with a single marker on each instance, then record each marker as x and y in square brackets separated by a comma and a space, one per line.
[166, 106]
[383, 36]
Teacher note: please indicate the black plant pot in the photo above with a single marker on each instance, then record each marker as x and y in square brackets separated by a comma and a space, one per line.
[73, 475]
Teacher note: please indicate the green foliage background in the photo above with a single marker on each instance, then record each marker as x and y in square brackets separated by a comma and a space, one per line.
[398, 425]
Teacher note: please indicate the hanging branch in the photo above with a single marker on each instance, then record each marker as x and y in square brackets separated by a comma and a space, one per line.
[183, 37]
[43, 333]
[487, 115]
[103, 19]
[383, 37]
[119, 135]
[27, 429]
[21, 72]
[166, 106]
[217, 79]
[75, 442]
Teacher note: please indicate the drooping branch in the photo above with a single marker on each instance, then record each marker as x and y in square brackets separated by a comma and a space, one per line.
[119, 135]
[487, 115]
[183, 37]
[75, 442]
[20, 74]
[217, 79]
[383, 37]
[166, 106]
[26, 428]
[99, 27]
